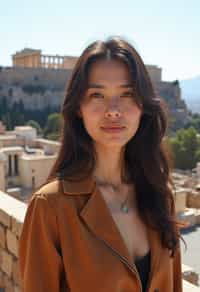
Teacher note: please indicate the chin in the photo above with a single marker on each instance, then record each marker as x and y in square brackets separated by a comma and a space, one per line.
[114, 144]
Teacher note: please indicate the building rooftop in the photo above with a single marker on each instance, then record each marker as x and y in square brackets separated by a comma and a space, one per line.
[27, 51]
[11, 148]
[47, 141]
[23, 128]
[7, 137]
[37, 156]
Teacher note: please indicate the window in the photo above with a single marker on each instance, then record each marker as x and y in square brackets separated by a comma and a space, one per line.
[9, 165]
[16, 164]
[33, 182]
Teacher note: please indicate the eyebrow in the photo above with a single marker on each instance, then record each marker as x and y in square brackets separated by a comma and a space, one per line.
[95, 85]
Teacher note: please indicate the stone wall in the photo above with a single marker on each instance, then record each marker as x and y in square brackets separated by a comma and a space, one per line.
[20, 76]
[37, 88]
[171, 93]
[155, 73]
[12, 213]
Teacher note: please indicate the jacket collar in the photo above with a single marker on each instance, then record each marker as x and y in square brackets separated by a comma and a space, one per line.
[77, 187]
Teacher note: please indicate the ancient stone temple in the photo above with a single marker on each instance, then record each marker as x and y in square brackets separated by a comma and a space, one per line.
[31, 58]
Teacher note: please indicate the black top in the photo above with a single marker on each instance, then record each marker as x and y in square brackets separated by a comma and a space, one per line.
[143, 267]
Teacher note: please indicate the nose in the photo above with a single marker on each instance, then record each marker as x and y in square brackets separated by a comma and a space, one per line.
[113, 109]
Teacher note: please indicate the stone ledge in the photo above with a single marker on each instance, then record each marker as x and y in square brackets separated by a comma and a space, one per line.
[188, 287]
[11, 207]
[190, 275]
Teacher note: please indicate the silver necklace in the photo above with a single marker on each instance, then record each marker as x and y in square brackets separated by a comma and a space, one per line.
[123, 206]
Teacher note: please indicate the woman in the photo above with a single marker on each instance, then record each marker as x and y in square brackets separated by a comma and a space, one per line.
[105, 220]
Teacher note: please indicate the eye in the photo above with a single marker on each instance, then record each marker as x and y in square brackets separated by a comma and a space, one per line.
[127, 94]
[96, 95]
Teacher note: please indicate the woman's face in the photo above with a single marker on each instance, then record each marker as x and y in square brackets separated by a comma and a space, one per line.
[110, 114]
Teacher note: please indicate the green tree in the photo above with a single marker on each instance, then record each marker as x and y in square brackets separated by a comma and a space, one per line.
[194, 121]
[197, 156]
[6, 119]
[3, 106]
[35, 125]
[53, 126]
[185, 147]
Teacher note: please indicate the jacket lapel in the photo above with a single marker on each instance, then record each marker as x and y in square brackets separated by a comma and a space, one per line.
[98, 218]
[96, 215]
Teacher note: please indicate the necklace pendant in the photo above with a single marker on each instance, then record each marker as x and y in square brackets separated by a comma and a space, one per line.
[124, 209]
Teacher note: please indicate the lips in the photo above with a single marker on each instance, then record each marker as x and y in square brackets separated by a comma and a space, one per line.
[113, 127]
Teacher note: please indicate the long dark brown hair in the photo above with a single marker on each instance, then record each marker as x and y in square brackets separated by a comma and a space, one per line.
[146, 159]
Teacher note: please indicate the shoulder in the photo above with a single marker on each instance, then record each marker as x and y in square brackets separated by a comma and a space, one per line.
[47, 194]
[66, 186]
[59, 192]
[42, 213]
[48, 189]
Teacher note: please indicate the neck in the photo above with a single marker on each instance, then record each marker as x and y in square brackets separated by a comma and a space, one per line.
[107, 174]
[109, 166]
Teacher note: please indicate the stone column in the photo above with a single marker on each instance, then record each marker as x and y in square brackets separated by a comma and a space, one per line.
[53, 64]
[44, 61]
[12, 165]
[60, 62]
[49, 62]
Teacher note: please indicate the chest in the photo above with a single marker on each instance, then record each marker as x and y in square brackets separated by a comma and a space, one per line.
[130, 226]
[133, 232]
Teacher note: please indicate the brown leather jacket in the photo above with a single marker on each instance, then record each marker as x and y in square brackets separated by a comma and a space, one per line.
[70, 242]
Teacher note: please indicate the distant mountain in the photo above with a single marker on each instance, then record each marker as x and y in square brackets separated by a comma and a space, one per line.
[191, 93]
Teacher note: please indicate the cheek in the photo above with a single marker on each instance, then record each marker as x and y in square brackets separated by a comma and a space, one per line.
[92, 112]
[133, 113]
[91, 116]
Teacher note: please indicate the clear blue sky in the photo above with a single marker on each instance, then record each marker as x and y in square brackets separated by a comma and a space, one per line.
[166, 33]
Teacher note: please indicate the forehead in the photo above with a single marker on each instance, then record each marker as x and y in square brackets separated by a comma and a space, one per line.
[108, 71]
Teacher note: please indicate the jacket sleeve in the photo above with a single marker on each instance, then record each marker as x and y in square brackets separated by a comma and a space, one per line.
[177, 277]
[40, 263]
